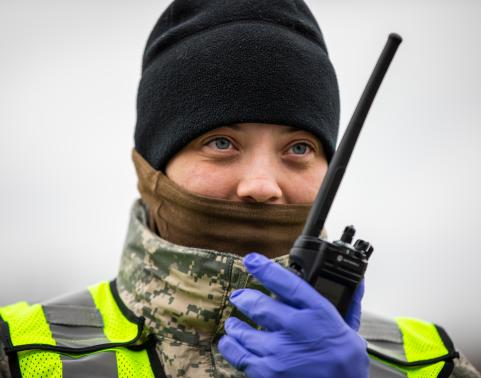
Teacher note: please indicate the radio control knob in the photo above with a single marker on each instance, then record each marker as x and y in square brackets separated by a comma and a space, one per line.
[348, 234]
[364, 246]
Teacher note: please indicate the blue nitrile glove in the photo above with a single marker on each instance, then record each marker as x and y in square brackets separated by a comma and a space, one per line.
[304, 335]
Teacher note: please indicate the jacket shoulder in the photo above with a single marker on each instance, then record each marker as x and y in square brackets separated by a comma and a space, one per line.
[84, 320]
[410, 344]
[86, 331]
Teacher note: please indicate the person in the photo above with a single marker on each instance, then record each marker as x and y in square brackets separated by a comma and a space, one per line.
[237, 121]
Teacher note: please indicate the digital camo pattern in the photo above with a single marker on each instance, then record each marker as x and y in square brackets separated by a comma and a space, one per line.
[464, 369]
[4, 370]
[183, 295]
[182, 292]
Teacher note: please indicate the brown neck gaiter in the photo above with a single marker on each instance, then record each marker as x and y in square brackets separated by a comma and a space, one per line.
[196, 221]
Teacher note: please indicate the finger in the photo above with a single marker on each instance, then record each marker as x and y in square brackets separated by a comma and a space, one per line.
[290, 288]
[235, 353]
[353, 316]
[250, 338]
[262, 309]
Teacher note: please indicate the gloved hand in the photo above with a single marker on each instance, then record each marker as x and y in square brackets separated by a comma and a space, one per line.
[304, 335]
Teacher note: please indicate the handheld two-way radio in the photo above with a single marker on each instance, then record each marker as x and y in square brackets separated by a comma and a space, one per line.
[336, 269]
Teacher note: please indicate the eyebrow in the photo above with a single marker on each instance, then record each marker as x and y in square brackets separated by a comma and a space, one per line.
[234, 126]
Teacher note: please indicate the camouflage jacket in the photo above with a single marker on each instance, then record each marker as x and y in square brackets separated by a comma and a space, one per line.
[183, 295]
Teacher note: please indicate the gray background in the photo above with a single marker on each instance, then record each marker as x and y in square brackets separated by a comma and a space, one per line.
[68, 81]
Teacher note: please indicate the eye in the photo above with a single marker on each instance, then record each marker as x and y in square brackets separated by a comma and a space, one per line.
[300, 149]
[220, 143]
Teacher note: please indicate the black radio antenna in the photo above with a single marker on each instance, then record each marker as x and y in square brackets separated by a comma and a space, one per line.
[337, 167]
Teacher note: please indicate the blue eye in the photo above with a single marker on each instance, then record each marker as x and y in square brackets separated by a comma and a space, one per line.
[222, 143]
[300, 148]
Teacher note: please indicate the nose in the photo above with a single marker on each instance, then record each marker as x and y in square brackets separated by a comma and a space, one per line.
[259, 189]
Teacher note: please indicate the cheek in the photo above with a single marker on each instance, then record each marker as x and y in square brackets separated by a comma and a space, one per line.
[302, 187]
[204, 179]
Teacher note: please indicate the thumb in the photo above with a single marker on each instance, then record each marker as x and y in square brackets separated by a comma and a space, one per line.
[235, 353]
[353, 316]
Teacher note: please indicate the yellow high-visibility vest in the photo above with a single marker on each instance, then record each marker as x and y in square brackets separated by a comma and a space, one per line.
[93, 334]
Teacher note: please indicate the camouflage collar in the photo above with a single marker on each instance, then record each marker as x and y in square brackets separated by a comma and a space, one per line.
[182, 292]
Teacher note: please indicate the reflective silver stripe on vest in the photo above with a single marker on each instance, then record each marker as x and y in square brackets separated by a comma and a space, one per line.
[379, 370]
[73, 315]
[80, 298]
[98, 365]
[382, 335]
[374, 327]
[74, 320]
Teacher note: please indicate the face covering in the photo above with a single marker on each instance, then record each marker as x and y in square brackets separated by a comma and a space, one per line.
[192, 220]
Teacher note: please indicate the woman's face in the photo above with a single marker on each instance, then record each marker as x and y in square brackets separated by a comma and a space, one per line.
[253, 162]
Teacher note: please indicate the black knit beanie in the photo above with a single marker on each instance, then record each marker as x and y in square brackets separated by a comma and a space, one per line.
[212, 63]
